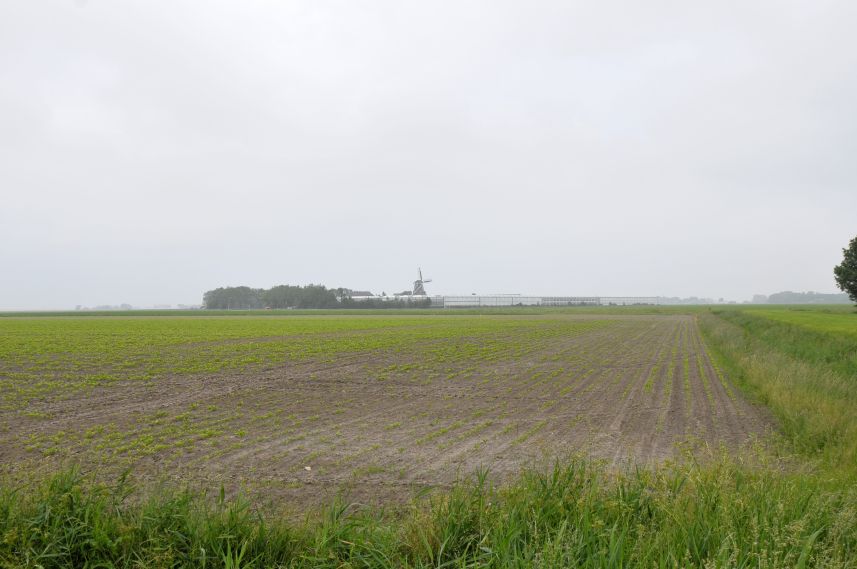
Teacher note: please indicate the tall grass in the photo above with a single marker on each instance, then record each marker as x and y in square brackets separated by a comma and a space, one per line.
[803, 376]
[70, 521]
[575, 515]
[818, 337]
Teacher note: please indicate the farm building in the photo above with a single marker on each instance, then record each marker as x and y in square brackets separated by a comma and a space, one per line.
[512, 300]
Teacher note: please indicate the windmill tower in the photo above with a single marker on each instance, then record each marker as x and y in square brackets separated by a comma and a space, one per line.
[419, 289]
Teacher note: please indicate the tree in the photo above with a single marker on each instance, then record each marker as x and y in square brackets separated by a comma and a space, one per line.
[282, 296]
[846, 272]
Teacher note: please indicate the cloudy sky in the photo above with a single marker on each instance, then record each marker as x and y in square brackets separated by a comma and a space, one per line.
[152, 150]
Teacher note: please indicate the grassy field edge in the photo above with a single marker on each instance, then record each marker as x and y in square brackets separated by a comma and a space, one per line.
[800, 375]
[575, 515]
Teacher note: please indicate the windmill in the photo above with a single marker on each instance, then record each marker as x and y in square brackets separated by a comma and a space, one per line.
[419, 289]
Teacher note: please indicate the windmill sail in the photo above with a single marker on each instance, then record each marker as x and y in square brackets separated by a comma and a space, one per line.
[419, 284]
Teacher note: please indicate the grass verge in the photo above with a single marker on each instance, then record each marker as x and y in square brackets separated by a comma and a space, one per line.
[805, 377]
[576, 515]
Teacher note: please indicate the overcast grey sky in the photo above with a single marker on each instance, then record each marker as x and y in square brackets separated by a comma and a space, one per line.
[152, 150]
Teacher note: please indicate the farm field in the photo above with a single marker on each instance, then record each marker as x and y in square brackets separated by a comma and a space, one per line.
[299, 408]
[832, 319]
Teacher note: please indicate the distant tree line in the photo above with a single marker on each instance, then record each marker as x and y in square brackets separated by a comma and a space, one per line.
[282, 296]
[290, 296]
[789, 297]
